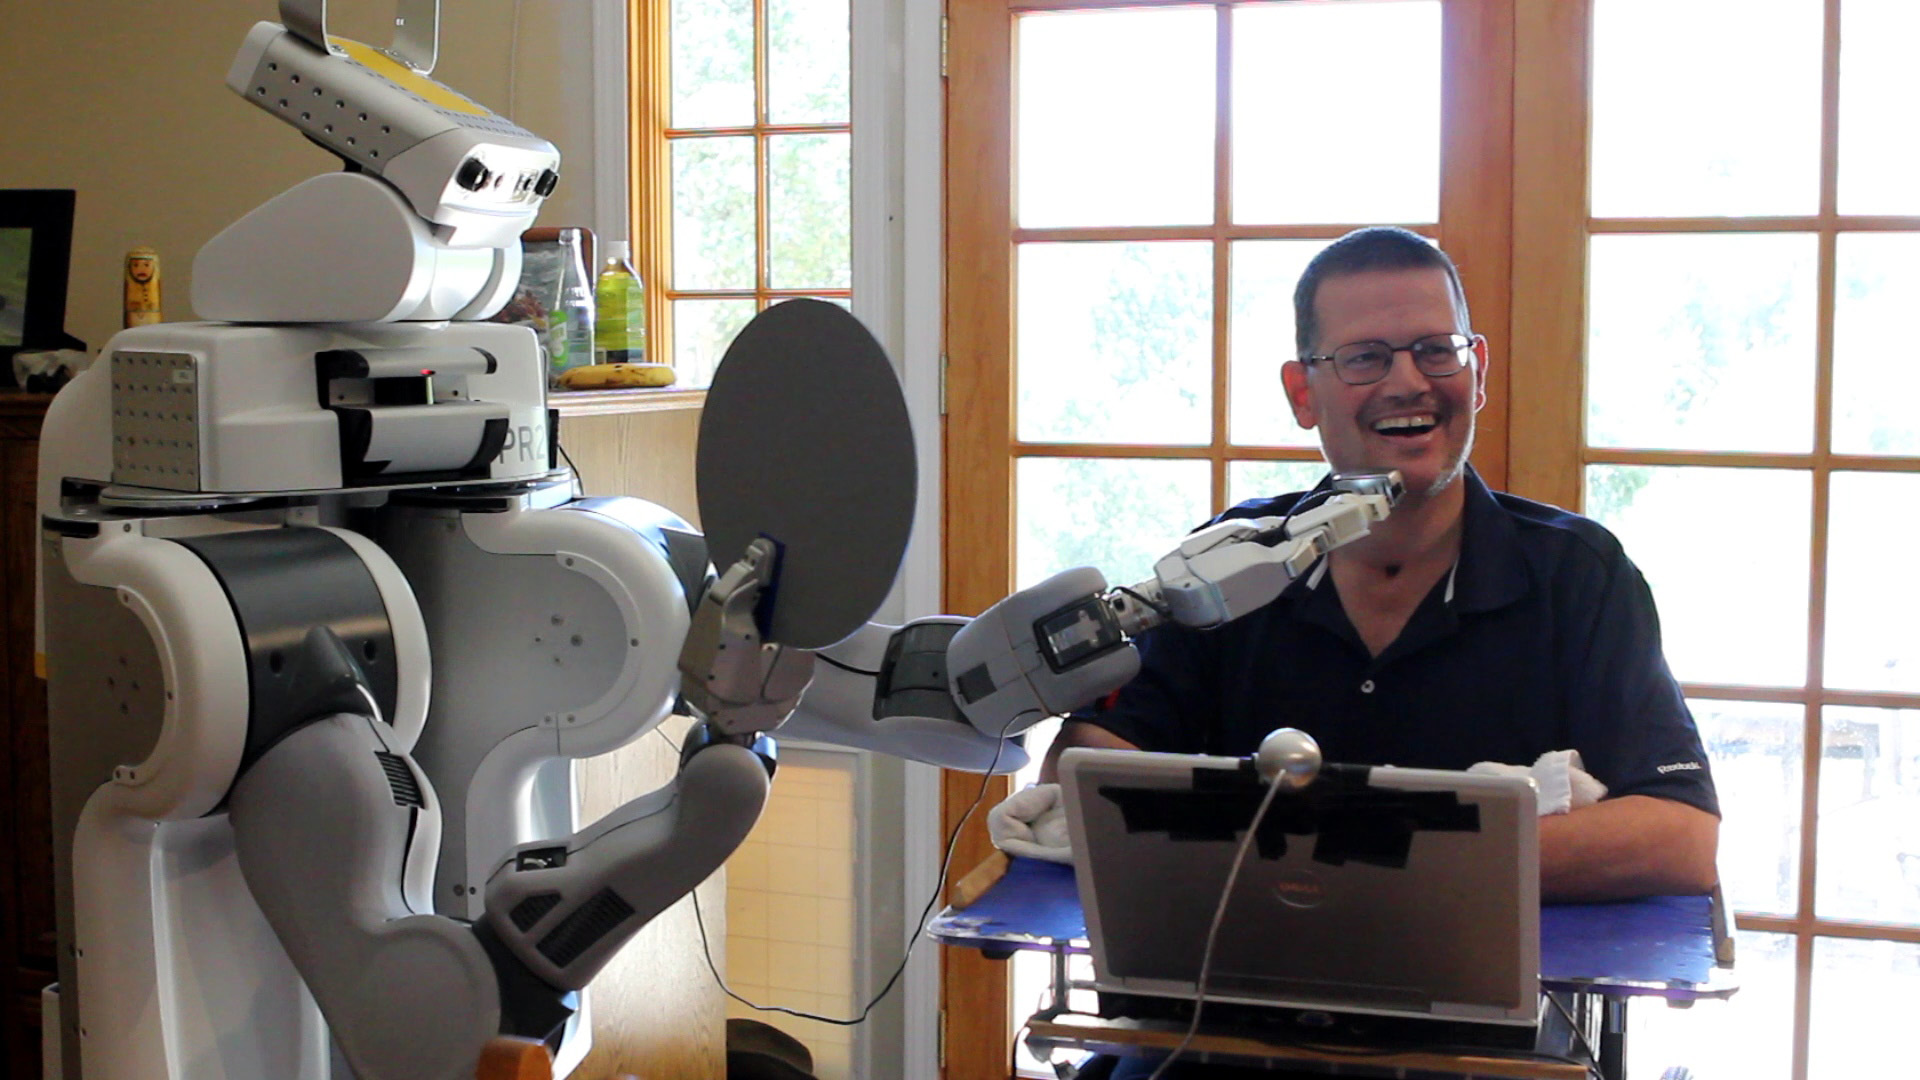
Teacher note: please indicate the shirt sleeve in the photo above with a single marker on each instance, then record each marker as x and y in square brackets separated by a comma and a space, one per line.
[1628, 717]
[1167, 705]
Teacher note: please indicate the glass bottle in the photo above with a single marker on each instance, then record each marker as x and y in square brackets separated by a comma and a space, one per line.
[572, 324]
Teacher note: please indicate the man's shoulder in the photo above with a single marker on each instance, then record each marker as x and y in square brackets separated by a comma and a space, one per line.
[1553, 530]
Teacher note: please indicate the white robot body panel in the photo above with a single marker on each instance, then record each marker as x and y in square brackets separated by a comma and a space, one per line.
[649, 601]
[260, 269]
[221, 409]
[171, 948]
[564, 626]
[156, 664]
[202, 664]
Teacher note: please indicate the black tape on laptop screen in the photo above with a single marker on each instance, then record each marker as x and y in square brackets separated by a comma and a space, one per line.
[1350, 820]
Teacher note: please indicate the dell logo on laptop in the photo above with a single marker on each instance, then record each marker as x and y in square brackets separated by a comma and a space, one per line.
[1300, 889]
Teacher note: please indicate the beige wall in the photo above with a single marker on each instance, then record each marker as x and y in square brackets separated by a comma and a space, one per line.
[125, 102]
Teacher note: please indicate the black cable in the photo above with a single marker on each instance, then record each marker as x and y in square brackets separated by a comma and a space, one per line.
[579, 482]
[1213, 931]
[1162, 610]
[1304, 502]
[830, 661]
[918, 931]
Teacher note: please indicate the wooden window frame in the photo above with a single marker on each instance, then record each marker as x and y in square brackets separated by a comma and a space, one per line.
[981, 444]
[1551, 232]
[650, 60]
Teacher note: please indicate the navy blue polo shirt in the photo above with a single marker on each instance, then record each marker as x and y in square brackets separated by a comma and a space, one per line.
[1543, 637]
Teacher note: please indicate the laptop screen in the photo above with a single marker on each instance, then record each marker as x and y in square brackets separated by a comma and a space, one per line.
[1380, 890]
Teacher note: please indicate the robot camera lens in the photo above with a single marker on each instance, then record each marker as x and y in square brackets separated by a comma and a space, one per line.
[473, 174]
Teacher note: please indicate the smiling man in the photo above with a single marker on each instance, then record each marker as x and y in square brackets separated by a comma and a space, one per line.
[1470, 626]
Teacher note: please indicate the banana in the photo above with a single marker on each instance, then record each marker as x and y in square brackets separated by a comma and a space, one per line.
[616, 376]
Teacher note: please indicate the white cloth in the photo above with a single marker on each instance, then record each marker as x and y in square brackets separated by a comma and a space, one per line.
[1559, 781]
[1032, 823]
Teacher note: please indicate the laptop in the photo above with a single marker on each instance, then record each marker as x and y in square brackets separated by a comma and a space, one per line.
[1379, 904]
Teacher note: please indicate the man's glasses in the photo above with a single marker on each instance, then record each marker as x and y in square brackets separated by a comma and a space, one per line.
[1436, 356]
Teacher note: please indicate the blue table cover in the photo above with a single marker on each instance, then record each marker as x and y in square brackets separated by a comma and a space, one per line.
[1662, 945]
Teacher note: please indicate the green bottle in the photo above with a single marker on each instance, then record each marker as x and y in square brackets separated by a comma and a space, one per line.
[620, 324]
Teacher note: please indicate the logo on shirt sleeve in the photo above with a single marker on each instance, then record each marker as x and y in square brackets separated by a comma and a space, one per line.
[1678, 766]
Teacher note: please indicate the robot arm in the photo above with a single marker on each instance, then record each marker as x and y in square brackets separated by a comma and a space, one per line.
[1070, 639]
[950, 691]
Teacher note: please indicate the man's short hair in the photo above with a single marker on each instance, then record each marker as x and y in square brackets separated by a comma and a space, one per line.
[1380, 247]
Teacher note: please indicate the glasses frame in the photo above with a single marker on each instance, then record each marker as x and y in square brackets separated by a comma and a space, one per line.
[1467, 343]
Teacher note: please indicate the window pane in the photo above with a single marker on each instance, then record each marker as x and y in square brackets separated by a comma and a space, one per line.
[713, 213]
[791, 913]
[1756, 752]
[1258, 479]
[1875, 382]
[1114, 111]
[1260, 339]
[712, 63]
[702, 330]
[809, 55]
[1869, 815]
[1115, 343]
[1873, 589]
[1320, 132]
[1733, 611]
[1702, 342]
[1878, 154]
[1706, 108]
[1862, 1006]
[809, 211]
[1748, 1036]
[1117, 515]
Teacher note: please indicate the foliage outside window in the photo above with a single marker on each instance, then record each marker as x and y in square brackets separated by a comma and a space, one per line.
[751, 147]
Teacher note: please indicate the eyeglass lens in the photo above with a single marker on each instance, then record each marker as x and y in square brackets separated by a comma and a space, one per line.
[1369, 361]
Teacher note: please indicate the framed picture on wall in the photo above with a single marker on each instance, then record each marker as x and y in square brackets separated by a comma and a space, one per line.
[36, 241]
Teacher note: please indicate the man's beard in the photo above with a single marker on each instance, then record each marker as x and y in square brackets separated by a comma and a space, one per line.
[1454, 469]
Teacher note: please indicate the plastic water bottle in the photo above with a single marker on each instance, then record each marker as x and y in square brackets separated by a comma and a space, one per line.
[620, 331]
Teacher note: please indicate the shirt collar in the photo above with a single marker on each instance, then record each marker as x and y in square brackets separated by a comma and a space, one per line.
[1491, 569]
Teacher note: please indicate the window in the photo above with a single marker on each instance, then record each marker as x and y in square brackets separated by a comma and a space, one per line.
[744, 177]
[1691, 232]
[1121, 274]
[1744, 244]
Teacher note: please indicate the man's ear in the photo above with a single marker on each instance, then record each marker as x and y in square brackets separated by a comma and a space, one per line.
[1480, 366]
[1293, 378]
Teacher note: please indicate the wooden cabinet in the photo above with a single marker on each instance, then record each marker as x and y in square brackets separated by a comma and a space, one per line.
[26, 853]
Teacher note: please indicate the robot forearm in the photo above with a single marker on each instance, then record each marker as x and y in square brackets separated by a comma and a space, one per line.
[1068, 641]
[563, 908]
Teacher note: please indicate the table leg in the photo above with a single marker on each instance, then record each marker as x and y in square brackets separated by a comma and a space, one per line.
[1613, 1039]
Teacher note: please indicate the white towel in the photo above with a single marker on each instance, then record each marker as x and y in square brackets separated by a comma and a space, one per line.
[1032, 823]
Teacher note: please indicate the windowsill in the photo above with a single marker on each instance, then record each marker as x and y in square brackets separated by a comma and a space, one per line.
[619, 402]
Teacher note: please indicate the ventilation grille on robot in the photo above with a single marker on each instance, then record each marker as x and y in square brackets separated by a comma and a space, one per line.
[579, 931]
[406, 789]
[533, 909]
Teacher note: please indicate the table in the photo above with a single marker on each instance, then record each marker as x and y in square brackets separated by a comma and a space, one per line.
[1600, 955]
